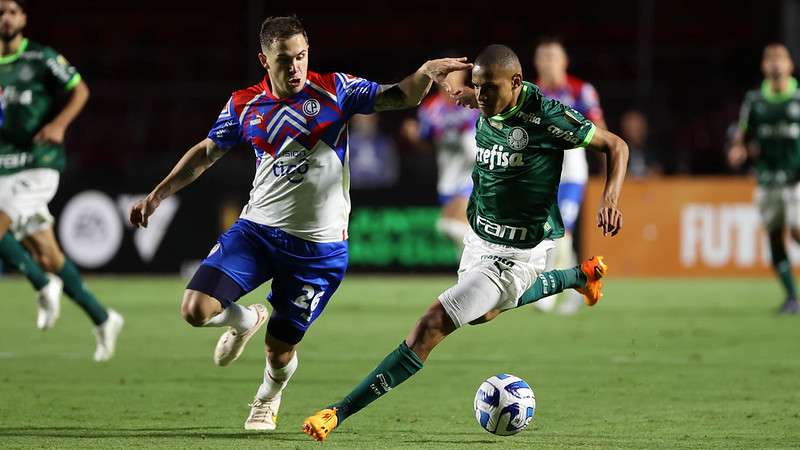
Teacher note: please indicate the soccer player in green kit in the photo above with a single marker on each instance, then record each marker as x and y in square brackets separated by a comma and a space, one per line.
[769, 132]
[513, 213]
[31, 158]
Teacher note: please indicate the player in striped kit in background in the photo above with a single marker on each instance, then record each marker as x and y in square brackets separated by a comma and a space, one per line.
[551, 61]
[450, 129]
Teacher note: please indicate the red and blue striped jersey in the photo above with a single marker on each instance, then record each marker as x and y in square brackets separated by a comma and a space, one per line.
[301, 182]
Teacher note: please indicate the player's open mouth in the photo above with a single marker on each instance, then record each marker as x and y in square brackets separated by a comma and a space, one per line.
[294, 81]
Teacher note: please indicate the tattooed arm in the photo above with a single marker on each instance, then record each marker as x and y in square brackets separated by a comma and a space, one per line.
[410, 92]
[193, 163]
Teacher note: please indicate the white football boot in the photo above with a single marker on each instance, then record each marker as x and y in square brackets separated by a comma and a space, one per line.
[106, 334]
[263, 415]
[49, 303]
[231, 344]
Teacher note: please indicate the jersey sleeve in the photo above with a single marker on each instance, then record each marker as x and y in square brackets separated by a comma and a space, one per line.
[590, 101]
[355, 95]
[226, 131]
[565, 128]
[60, 70]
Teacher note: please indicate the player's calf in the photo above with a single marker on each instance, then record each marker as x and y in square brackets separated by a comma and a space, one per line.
[430, 330]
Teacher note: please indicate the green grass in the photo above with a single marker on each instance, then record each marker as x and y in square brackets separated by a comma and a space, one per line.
[668, 364]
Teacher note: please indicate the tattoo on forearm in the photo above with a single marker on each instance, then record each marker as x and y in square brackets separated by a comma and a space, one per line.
[390, 97]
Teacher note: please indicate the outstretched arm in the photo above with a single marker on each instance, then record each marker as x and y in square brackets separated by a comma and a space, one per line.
[609, 217]
[193, 163]
[410, 92]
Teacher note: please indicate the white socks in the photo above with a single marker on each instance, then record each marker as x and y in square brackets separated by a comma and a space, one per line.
[275, 380]
[236, 316]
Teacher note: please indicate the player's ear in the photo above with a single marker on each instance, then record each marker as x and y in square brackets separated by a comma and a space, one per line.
[262, 58]
[516, 80]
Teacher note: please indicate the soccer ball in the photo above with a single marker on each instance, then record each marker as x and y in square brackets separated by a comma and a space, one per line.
[504, 405]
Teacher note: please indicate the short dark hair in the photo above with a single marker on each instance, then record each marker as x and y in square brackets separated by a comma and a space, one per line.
[498, 55]
[277, 28]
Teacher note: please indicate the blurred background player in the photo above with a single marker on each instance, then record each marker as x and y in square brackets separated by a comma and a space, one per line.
[451, 130]
[373, 156]
[34, 78]
[769, 134]
[644, 158]
[551, 61]
[293, 230]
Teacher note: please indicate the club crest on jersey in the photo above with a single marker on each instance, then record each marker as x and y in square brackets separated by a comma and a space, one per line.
[517, 138]
[311, 107]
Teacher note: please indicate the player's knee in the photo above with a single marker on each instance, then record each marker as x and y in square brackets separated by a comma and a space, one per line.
[51, 262]
[191, 309]
[795, 233]
[433, 320]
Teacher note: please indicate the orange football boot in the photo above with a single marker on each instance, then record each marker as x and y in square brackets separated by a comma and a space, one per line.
[320, 425]
[594, 268]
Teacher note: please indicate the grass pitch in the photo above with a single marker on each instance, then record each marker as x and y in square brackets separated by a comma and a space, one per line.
[667, 364]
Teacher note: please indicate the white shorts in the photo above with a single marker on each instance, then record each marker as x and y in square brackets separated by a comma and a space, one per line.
[492, 276]
[24, 197]
[779, 206]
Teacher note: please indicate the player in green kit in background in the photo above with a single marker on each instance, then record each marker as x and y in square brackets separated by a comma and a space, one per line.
[513, 213]
[769, 133]
[32, 77]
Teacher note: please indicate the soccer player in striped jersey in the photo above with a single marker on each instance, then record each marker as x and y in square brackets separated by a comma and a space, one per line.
[293, 229]
[551, 62]
[451, 130]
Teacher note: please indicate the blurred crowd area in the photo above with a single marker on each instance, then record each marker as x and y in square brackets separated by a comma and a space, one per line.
[670, 75]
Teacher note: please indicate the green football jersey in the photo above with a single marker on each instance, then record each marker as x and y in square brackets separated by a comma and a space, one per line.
[772, 120]
[518, 168]
[30, 80]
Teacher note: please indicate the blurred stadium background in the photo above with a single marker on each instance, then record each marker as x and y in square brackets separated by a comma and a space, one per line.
[160, 71]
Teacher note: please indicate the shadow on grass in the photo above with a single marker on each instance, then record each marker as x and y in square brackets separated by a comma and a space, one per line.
[77, 432]
[132, 432]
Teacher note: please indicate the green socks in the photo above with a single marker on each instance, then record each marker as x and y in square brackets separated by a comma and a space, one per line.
[781, 264]
[74, 287]
[553, 282]
[397, 367]
[18, 257]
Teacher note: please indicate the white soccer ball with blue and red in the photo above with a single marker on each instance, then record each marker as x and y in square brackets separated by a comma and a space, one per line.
[504, 405]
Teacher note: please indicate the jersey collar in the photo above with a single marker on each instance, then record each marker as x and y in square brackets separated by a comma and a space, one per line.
[520, 101]
[14, 56]
[778, 97]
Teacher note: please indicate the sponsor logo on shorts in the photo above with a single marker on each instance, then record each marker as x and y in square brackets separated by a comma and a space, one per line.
[499, 259]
